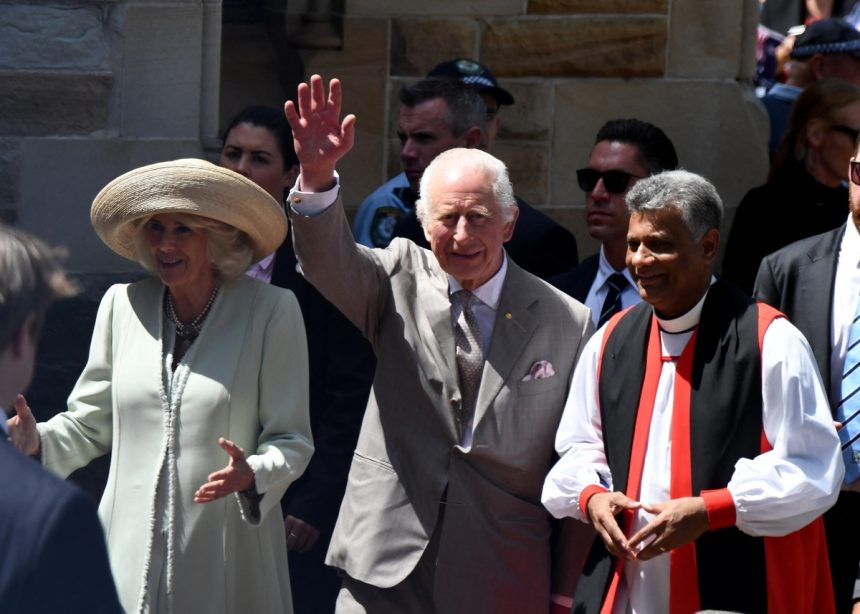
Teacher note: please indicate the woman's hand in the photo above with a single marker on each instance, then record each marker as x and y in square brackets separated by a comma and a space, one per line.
[235, 477]
[22, 429]
[319, 135]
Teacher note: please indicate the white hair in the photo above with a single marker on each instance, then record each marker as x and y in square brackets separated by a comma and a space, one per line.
[461, 157]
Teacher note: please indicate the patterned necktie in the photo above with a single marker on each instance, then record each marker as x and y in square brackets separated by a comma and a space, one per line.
[612, 305]
[470, 358]
[849, 407]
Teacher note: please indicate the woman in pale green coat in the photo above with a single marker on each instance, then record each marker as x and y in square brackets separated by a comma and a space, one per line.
[198, 369]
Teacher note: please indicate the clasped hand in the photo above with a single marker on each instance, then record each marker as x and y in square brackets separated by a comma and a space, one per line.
[676, 522]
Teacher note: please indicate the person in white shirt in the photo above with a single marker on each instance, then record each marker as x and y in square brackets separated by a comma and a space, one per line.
[696, 433]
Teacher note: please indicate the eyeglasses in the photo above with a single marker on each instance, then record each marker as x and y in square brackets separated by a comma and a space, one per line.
[615, 182]
[855, 172]
[848, 130]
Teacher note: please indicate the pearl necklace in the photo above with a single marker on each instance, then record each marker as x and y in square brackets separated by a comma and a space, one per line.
[191, 330]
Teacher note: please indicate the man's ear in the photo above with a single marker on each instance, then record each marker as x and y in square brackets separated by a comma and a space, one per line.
[473, 138]
[711, 244]
[509, 226]
[817, 66]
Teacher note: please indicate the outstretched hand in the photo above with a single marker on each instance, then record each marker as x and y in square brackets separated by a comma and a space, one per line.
[22, 429]
[235, 477]
[319, 136]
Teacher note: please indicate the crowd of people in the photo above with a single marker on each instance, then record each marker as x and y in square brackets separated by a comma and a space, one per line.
[441, 409]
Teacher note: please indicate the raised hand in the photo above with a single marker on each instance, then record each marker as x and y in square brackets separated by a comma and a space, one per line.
[319, 136]
[678, 522]
[602, 508]
[22, 429]
[235, 477]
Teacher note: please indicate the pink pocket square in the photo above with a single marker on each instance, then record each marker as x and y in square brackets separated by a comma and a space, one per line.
[542, 369]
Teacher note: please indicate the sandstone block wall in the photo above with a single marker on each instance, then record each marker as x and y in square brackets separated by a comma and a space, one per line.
[684, 65]
[92, 88]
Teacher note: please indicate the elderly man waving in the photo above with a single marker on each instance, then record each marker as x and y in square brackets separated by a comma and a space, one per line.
[474, 360]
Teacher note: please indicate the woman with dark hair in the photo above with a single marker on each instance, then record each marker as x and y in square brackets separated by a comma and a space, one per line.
[197, 383]
[806, 192]
[258, 144]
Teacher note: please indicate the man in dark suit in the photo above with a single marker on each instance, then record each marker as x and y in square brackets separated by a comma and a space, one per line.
[474, 359]
[815, 282]
[625, 151]
[54, 557]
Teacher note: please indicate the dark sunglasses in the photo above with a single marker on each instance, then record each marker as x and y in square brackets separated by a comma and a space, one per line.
[615, 182]
[855, 172]
[848, 130]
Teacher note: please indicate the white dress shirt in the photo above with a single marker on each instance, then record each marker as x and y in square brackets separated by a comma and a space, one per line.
[846, 292]
[774, 493]
[597, 294]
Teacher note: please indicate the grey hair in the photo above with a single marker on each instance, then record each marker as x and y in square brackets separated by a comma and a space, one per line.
[476, 159]
[466, 108]
[692, 195]
[227, 248]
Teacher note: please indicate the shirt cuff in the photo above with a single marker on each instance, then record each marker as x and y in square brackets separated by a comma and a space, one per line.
[585, 495]
[310, 204]
[720, 507]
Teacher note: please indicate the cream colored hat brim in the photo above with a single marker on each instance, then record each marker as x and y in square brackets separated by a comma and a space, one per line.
[190, 186]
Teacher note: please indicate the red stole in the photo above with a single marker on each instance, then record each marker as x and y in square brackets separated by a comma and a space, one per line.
[791, 588]
[683, 577]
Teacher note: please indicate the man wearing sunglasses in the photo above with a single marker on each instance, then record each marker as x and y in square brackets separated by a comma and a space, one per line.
[816, 283]
[625, 151]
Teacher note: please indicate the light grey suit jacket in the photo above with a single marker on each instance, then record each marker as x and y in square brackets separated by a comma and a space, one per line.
[494, 545]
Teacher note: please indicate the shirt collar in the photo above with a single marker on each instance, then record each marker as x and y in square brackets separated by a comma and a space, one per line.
[850, 248]
[604, 270]
[263, 268]
[490, 291]
[688, 320]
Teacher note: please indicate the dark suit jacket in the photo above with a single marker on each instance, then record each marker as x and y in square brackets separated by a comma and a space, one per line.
[577, 281]
[540, 245]
[54, 557]
[798, 280]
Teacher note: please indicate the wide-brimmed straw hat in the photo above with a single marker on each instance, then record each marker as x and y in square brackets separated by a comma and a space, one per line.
[192, 187]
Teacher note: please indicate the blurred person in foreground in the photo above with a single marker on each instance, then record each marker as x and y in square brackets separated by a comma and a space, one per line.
[187, 371]
[54, 556]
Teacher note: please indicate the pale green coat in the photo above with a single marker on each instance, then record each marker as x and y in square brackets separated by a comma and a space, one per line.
[248, 383]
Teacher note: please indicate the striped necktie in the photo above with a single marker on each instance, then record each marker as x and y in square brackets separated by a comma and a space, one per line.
[612, 305]
[849, 406]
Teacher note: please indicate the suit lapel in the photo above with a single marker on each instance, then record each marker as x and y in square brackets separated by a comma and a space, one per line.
[818, 283]
[437, 306]
[514, 327]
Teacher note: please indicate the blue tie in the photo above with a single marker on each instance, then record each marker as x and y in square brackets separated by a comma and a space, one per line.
[848, 410]
[615, 285]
